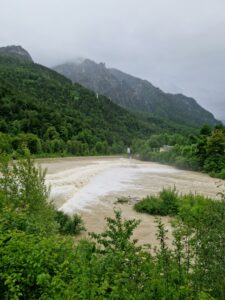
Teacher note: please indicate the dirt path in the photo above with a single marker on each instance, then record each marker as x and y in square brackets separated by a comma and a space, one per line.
[91, 186]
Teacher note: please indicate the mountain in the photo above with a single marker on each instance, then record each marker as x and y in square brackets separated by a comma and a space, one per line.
[136, 94]
[46, 112]
[16, 52]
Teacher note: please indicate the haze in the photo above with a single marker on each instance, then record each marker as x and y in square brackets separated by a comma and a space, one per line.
[177, 45]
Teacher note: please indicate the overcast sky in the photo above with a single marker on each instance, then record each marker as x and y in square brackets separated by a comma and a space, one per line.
[178, 45]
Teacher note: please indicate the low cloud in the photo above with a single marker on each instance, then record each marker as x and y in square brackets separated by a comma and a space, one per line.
[177, 45]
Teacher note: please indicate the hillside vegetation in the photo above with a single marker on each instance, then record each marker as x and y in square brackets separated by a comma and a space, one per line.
[136, 94]
[44, 112]
[204, 151]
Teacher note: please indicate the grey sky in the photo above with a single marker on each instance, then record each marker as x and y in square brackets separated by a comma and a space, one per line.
[178, 45]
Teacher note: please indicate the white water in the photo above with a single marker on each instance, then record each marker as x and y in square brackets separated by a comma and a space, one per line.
[82, 186]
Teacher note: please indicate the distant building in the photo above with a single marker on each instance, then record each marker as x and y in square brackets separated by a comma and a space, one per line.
[165, 148]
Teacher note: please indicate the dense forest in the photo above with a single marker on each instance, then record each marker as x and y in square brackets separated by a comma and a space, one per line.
[204, 151]
[41, 258]
[43, 112]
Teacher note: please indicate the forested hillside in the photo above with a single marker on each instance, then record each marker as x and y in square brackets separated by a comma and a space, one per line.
[204, 151]
[136, 94]
[44, 112]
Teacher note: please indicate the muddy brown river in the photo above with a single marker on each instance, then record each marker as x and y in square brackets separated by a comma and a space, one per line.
[91, 187]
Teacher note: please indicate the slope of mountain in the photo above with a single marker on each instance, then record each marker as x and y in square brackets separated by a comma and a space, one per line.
[37, 100]
[136, 94]
[16, 52]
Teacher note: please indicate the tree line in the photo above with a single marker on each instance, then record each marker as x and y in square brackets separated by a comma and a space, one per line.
[204, 151]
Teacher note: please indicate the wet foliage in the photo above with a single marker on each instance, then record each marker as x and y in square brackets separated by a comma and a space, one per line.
[201, 152]
[43, 112]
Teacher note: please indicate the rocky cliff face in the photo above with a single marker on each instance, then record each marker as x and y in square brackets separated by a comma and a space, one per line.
[16, 51]
[136, 94]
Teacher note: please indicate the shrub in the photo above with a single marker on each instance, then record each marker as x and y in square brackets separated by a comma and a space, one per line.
[191, 207]
[151, 205]
[69, 225]
[169, 199]
[221, 175]
[165, 204]
[35, 267]
[25, 198]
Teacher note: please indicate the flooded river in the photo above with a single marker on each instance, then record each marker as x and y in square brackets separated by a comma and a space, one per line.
[91, 187]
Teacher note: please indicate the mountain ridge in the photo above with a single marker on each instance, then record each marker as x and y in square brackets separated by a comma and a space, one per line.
[127, 91]
[135, 93]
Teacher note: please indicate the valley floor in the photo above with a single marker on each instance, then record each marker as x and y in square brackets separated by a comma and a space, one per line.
[92, 186]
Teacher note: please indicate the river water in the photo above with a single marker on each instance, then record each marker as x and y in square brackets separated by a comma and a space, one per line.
[91, 186]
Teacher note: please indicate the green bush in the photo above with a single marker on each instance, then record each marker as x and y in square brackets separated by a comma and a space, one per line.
[189, 207]
[169, 199]
[25, 198]
[165, 204]
[69, 225]
[35, 267]
[151, 205]
[222, 174]
[192, 207]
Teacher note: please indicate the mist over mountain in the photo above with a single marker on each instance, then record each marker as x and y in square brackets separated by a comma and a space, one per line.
[16, 52]
[136, 94]
[129, 92]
